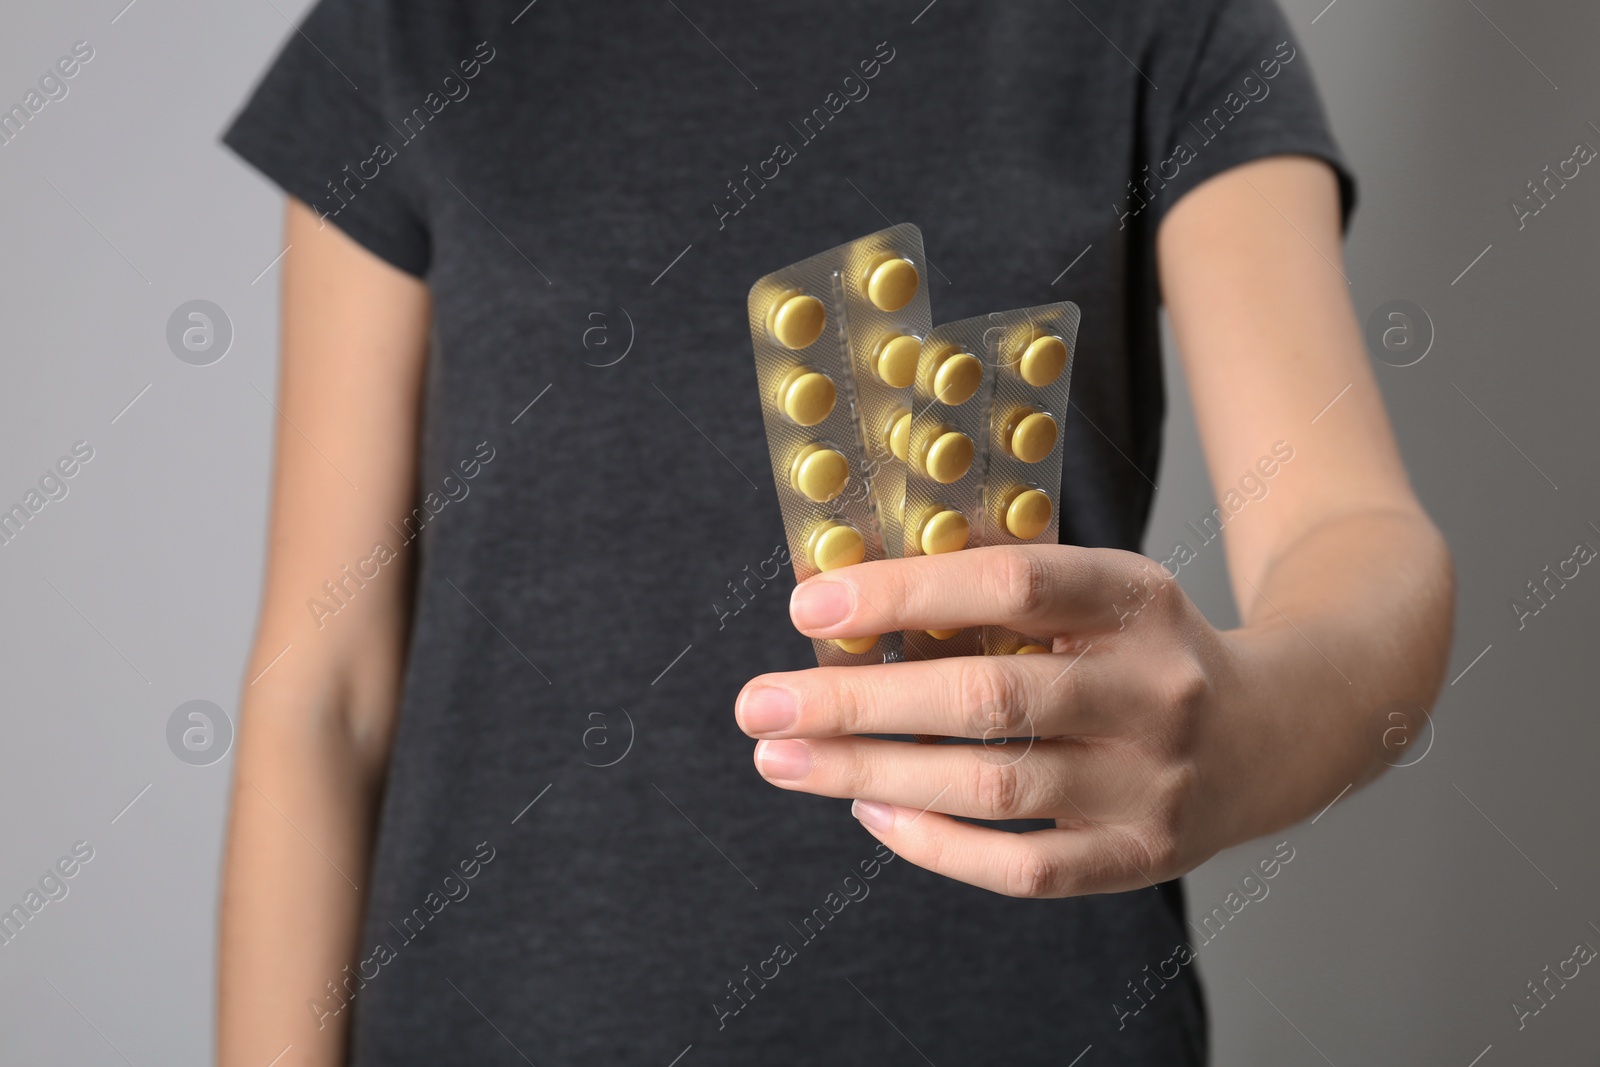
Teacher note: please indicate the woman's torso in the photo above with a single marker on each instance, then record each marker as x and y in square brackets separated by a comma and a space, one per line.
[591, 599]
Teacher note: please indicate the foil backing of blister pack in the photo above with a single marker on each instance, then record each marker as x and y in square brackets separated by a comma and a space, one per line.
[830, 399]
[946, 460]
[1031, 364]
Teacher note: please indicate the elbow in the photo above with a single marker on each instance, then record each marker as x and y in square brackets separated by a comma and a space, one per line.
[1441, 610]
[322, 710]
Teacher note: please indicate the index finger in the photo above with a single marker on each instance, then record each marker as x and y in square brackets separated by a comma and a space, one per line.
[1039, 589]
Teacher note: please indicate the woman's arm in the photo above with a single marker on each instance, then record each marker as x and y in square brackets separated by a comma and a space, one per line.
[1344, 585]
[1158, 739]
[319, 700]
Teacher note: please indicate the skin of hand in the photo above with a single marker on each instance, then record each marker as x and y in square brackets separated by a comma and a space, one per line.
[1152, 739]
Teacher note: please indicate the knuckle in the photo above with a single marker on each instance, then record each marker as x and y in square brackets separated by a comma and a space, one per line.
[992, 700]
[975, 692]
[1021, 583]
[845, 706]
[1167, 593]
[896, 582]
[1031, 874]
[997, 789]
[1186, 684]
[1157, 844]
[1158, 837]
[851, 770]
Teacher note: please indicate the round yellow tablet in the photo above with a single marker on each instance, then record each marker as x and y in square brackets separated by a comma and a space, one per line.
[836, 545]
[808, 397]
[798, 321]
[948, 457]
[900, 436]
[945, 531]
[941, 635]
[856, 645]
[820, 473]
[1028, 514]
[1028, 649]
[892, 283]
[1034, 437]
[1043, 361]
[957, 378]
[896, 362]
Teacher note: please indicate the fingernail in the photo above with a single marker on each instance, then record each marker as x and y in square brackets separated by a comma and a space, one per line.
[873, 816]
[766, 710]
[815, 605]
[784, 759]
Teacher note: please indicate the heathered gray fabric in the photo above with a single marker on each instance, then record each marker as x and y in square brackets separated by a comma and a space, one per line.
[604, 536]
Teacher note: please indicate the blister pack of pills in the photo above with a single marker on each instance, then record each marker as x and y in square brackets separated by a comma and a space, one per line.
[984, 454]
[946, 459]
[837, 340]
[1031, 369]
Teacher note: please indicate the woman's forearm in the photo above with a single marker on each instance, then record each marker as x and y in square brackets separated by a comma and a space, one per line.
[1352, 618]
[299, 842]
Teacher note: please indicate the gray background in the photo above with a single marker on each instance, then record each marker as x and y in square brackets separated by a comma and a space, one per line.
[1412, 913]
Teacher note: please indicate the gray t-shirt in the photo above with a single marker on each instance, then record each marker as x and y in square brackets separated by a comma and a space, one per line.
[589, 190]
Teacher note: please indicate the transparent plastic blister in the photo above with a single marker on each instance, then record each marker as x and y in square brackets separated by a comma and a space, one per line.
[836, 340]
[946, 460]
[887, 314]
[1031, 363]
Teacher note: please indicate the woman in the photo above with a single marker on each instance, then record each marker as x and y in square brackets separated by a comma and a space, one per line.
[490, 803]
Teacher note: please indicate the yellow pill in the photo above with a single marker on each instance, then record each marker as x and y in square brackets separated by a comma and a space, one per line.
[856, 645]
[798, 321]
[1034, 437]
[941, 635]
[1028, 514]
[1043, 361]
[819, 473]
[1029, 649]
[900, 436]
[949, 457]
[836, 545]
[808, 397]
[892, 283]
[957, 378]
[896, 361]
[945, 531]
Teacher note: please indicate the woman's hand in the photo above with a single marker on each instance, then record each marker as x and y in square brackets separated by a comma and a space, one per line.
[1136, 748]
[1157, 739]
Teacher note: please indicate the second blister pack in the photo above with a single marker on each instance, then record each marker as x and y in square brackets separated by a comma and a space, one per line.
[1031, 369]
[984, 455]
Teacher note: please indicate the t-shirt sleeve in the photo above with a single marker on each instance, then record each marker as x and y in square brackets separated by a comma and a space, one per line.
[1243, 92]
[314, 125]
